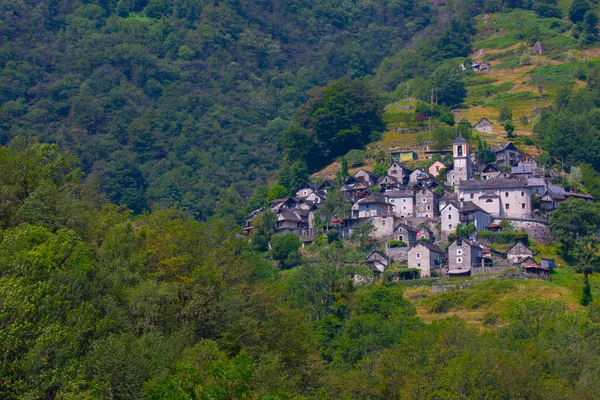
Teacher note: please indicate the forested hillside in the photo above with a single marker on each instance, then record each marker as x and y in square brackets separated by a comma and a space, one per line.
[95, 305]
[167, 102]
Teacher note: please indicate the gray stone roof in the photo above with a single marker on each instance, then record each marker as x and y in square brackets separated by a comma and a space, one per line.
[469, 206]
[490, 184]
[429, 246]
[398, 193]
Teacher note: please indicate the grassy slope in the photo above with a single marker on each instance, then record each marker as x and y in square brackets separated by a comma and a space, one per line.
[566, 285]
[508, 83]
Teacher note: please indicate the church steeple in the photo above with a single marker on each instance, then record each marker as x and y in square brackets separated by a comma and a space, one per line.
[460, 147]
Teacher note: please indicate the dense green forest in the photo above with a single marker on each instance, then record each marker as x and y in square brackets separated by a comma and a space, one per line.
[94, 304]
[166, 103]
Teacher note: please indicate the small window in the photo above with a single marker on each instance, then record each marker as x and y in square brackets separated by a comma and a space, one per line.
[404, 200]
[472, 196]
[424, 200]
[449, 226]
[459, 252]
[523, 206]
[459, 242]
[401, 237]
[522, 194]
[449, 216]
[404, 208]
[383, 222]
[418, 256]
[428, 208]
[505, 194]
[459, 260]
[489, 201]
[506, 206]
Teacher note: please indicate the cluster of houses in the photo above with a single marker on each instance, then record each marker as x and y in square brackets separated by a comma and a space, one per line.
[418, 207]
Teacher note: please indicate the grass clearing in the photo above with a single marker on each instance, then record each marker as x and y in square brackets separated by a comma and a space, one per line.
[498, 42]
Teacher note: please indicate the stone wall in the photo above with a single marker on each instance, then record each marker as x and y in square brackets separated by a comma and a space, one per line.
[492, 270]
[536, 230]
[397, 254]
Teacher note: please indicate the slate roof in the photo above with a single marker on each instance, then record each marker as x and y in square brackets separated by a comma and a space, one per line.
[429, 246]
[536, 182]
[490, 184]
[408, 228]
[398, 193]
[469, 206]
[505, 146]
[470, 242]
[461, 139]
[373, 198]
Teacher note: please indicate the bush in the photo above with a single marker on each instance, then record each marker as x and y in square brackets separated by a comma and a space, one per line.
[397, 243]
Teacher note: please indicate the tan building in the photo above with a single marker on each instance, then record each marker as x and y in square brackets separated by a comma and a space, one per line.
[425, 257]
[436, 167]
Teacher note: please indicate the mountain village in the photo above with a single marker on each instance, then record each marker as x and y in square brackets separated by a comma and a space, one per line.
[438, 227]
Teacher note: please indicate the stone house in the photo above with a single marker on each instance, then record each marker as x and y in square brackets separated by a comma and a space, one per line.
[388, 182]
[484, 125]
[464, 255]
[249, 220]
[552, 196]
[435, 168]
[406, 233]
[306, 190]
[446, 199]
[537, 185]
[400, 172]
[425, 257]
[424, 233]
[402, 201]
[294, 221]
[499, 197]
[538, 48]
[367, 177]
[471, 213]
[518, 253]
[490, 171]
[373, 205]
[507, 154]
[378, 261]
[426, 203]
[450, 218]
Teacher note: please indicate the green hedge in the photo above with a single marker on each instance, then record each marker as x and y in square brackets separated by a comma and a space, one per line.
[504, 237]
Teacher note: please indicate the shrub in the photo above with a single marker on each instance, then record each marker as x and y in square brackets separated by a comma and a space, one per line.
[397, 243]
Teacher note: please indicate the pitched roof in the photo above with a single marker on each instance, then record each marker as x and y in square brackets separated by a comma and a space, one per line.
[470, 242]
[461, 139]
[398, 193]
[489, 194]
[378, 253]
[490, 168]
[483, 120]
[408, 228]
[429, 246]
[580, 195]
[373, 198]
[520, 244]
[449, 196]
[536, 181]
[505, 146]
[496, 183]
[469, 206]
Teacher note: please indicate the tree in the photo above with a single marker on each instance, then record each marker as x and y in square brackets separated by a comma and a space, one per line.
[277, 192]
[584, 250]
[538, 80]
[379, 169]
[574, 219]
[505, 114]
[342, 116]
[343, 173]
[485, 154]
[509, 126]
[442, 138]
[285, 249]
[230, 204]
[363, 235]
[578, 10]
[335, 206]
[589, 30]
[448, 83]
